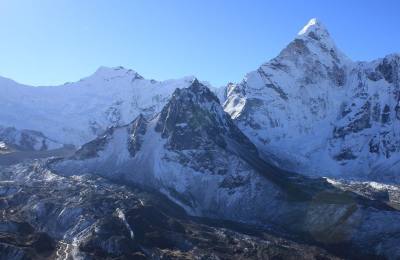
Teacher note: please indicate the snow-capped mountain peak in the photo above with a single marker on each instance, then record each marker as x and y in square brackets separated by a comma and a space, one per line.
[317, 40]
[316, 27]
[313, 106]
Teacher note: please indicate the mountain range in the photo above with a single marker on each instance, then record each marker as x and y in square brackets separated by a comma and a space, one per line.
[310, 110]
[303, 153]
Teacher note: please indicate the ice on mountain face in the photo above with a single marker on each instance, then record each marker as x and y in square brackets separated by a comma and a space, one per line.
[75, 113]
[314, 111]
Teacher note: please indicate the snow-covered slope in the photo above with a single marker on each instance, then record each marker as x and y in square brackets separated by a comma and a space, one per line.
[75, 113]
[313, 110]
[189, 151]
[25, 140]
[194, 154]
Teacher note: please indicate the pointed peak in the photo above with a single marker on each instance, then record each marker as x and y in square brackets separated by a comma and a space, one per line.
[313, 25]
[196, 92]
[198, 87]
[318, 39]
[315, 29]
[195, 82]
[206, 93]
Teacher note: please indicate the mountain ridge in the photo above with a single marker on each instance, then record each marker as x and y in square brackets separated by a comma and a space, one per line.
[322, 84]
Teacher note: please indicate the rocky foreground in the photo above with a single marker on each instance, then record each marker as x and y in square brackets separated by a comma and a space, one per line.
[47, 216]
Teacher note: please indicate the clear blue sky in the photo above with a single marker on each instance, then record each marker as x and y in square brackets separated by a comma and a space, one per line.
[47, 42]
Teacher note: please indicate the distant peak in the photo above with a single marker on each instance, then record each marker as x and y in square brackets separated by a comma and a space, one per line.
[195, 83]
[314, 29]
[109, 72]
[195, 92]
[198, 87]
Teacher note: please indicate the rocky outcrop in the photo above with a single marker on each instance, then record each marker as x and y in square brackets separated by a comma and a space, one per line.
[26, 140]
[136, 132]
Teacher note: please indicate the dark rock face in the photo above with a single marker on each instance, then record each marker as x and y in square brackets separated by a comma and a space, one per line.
[136, 131]
[19, 240]
[113, 113]
[91, 149]
[374, 146]
[295, 48]
[374, 75]
[360, 122]
[194, 118]
[184, 121]
[25, 140]
[389, 68]
[110, 237]
[337, 75]
[372, 122]
[198, 130]
[398, 110]
[376, 113]
[345, 154]
[271, 85]
[386, 115]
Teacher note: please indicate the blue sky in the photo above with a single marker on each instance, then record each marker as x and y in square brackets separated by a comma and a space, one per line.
[48, 42]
